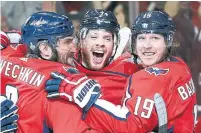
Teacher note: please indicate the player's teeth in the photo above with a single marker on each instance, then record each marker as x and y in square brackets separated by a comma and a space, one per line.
[148, 53]
[100, 52]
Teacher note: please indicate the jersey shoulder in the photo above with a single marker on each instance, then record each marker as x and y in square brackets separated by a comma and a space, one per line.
[28, 71]
[166, 73]
[124, 64]
[32, 64]
[171, 67]
[14, 50]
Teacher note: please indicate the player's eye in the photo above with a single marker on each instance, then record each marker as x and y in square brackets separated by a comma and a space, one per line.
[140, 38]
[155, 38]
[93, 37]
[108, 39]
[68, 41]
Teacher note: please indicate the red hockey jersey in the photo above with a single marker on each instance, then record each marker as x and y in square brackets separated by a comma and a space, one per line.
[172, 80]
[23, 81]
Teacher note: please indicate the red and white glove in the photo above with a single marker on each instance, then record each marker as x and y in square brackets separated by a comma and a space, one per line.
[74, 87]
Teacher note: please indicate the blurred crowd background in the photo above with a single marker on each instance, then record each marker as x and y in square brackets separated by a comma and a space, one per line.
[186, 14]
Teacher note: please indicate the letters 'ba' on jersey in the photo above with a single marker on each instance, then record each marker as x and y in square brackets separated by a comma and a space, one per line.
[23, 81]
[137, 114]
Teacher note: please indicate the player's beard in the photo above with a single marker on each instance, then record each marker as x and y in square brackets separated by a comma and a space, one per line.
[67, 58]
[54, 56]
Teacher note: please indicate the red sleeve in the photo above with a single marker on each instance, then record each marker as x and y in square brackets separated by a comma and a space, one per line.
[138, 114]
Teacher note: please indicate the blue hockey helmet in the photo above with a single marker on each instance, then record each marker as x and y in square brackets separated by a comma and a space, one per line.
[157, 22]
[46, 26]
[100, 19]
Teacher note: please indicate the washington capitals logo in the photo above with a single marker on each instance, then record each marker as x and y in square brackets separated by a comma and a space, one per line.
[156, 71]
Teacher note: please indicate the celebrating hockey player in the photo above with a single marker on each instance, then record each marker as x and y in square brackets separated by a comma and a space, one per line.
[98, 43]
[48, 36]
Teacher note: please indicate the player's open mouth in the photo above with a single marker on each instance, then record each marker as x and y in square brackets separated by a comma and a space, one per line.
[98, 56]
[148, 53]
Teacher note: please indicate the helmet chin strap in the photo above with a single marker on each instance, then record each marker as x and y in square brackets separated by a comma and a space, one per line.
[169, 40]
[83, 33]
[116, 42]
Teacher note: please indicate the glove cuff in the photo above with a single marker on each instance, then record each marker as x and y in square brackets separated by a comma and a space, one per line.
[86, 93]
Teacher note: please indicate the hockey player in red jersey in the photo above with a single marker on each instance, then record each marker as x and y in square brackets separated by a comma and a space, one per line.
[24, 78]
[99, 41]
[98, 46]
[163, 74]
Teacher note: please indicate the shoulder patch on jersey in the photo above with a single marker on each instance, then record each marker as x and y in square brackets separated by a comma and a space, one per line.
[157, 71]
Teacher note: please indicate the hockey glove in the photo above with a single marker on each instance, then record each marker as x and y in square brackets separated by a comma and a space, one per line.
[73, 87]
[8, 115]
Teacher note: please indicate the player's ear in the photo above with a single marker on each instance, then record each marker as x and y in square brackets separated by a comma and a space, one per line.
[45, 50]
